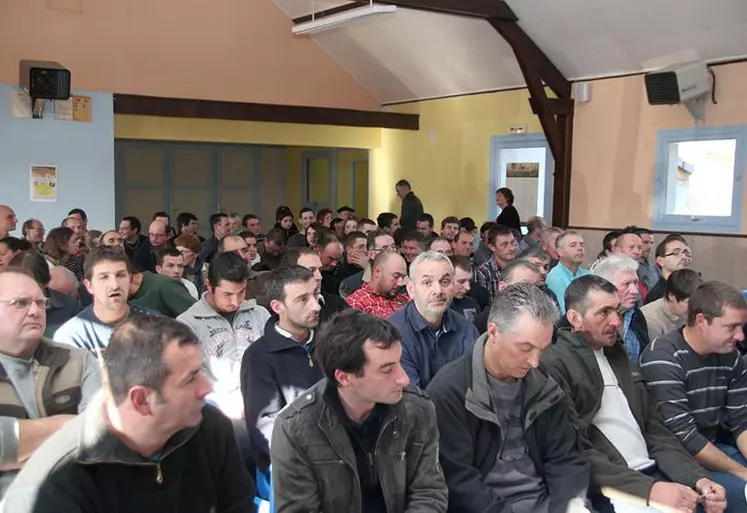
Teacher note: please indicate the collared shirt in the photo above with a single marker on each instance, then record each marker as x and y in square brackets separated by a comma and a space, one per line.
[367, 300]
[630, 339]
[558, 280]
[426, 349]
[487, 276]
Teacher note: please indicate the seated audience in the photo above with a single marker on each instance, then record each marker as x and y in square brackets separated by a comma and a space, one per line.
[256, 281]
[441, 245]
[377, 241]
[462, 244]
[388, 222]
[160, 294]
[535, 227]
[111, 238]
[508, 442]
[671, 254]
[10, 247]
[270, 250]
[63, 280]
[63, 247]
[698, 380]
[502, 244]
[570, 254]
[549, 244]
[432, 333]
[327, 245]
[170, 263]
[381, 296]
[670, 312]
[482, 253]
[147, 442]
[412, 243]
[220, 226]
[424, 225]
[189, 246]
[354, 259]
[367, 226]
[630, 449]
[449, 228]
[463, 303]
[608, 243]
[648, 272]
[324, 218]
[362, 413]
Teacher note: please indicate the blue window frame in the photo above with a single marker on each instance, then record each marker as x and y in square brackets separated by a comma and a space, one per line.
[698, 183]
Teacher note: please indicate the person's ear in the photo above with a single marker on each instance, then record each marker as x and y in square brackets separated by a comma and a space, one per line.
[87, 283]
[410, 288]
[277, 306]
[343, 378]
[139, 398]
[575, 319]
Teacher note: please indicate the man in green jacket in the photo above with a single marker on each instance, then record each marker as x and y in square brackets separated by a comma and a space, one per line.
[635, 459]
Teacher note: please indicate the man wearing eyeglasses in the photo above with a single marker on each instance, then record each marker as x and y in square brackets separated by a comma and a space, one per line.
[672, 254]
[43, 385]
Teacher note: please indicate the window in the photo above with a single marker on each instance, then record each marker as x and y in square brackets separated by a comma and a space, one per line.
[698, 185]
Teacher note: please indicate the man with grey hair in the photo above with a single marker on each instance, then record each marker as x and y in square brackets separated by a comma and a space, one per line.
[432, 333]
[571, 253]
[535, 227]
[549, 243]
[508, 442]
[622, 271]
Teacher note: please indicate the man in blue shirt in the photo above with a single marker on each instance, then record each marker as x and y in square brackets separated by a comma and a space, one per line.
[432, 334]
[571, 254]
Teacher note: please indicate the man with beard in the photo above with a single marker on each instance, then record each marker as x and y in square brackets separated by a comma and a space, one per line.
[432, 333]
[571, 253]
[107, 278]
[280, 365]
[381, 296]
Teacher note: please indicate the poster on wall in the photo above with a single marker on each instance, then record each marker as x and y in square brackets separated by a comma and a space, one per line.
[523, 180]
[43, 183]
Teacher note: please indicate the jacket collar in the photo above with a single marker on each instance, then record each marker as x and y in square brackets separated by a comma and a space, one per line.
[616, 354]
[420, 324]
[202, 309]
[280, 340]
[97, 444]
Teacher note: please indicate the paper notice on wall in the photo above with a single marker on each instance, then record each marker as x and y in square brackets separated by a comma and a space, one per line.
[20, 104]
[43, 183]
[82, 108]
[523, 180]
[63, 109]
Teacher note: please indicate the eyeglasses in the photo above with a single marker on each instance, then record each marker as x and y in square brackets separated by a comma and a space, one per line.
[679, 252]
[25, 303]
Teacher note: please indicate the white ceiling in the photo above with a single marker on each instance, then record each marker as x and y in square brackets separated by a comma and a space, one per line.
[413, 55]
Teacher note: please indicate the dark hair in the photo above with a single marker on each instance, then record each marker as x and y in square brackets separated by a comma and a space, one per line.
[366, 220]
[320, 215]
[486, 227]
[282, 276]
[161, 213]
[498, 231]
[427, 218]
[282, 212]
[345, 208]
[449, 220]
[247, 235]
[467, 223]
[682, 283]
[577, 293]
[33, 264]
[340, 344]
[55, 245]
[711, 298]
[535, 223]
[104, 254]
[507, 193]
[216, 218]
[163, 253]
[134, 355]
[384, 220]
[324, 237]
[291, 256]
[27, 224]
[134, 223]
[354, 236]
[247, 218]
[661, 248]
[304, 210]
[638, 230]
[336, 221]
[229, 267]
[607, 240]
[184, 219]
[462, 262]
[80, 212]
[403, 183]
[372, 236]
[413, 235]
[533, 253]
[276, 236]
[15, 244]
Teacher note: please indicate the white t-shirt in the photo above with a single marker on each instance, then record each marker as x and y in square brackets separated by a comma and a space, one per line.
[615, 420]
[190, 288]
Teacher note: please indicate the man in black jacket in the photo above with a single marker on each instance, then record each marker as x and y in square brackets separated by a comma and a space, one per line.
[148, 443]
[412, 208]
[630, 448]
[507, 439]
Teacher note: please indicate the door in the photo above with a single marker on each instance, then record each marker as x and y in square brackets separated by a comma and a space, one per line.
[360, 187]
[318, 179]
[238, 182]
[141, 178]
[524, 164]
[192, 180]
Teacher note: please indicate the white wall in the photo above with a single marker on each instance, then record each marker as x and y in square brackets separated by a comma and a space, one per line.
[83, 152]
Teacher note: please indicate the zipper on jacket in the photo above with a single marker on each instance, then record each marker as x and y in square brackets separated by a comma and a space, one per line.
[374, 459]
[159, 474]
[311, 362]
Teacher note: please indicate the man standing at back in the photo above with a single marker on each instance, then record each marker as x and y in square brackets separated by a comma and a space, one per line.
[412, 208]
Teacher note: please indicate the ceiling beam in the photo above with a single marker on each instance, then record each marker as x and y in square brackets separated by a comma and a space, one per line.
[497, 9]
[327, 12]
[555, 114]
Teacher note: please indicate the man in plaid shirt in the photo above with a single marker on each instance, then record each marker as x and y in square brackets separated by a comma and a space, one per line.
[502, 243]
[381, 296]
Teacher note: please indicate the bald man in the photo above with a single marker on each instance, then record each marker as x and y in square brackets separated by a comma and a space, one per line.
[8, 221]
[158, 235]
[255, 285]
[381, 296]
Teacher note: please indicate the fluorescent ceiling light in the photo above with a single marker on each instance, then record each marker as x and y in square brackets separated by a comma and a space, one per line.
[335, 20]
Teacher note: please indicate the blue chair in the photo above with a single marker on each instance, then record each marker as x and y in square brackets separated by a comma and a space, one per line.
[264, 500]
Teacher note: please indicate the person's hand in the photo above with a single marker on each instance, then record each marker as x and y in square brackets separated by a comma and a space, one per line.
[675, 497]
[714, 495]
[359, 259]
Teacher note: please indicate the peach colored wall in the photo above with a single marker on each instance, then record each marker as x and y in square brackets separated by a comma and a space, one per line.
[240, 50]
[614, 145]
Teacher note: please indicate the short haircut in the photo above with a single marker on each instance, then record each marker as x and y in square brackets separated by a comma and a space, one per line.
[320, 215]
[55, 245]
[15, 244]
[486, 227]
[560, 241]
[100, 238]
[413, 235]
[537, 253]
[104, 254]
[513, 301]
[428, 256]
[285, 275]
[366, 221]
[578, 292]
[461, 262]
[70, 275]
[167, 252]
[437, 239]
[449, 220]
[227, 266]
[304, 210]
[282, 212]
[216, 219]
[507, 193]
[661, 248]
[324, 237]
[247, 235]
[354, 236]
[383, 257]
[291, 256]
[189, 241]
[27, 225]
[340, 344]
[639, 230]
[682, 283]
[161, 213]
[426, 218]
[134, 355]
[134, 223]
[711, 298]
[515, 264]
[222, 244]
[185, 218]
[607, 267]
[276, 236]
[385, 219]
[336, 221]
[467, 223]
[372, 236]
[80, 212]
[345, 208]
[33, 264]
[499, 231]
[553, 229]
[535, 223]
[403, 183]
[609, 239]
[247, 218]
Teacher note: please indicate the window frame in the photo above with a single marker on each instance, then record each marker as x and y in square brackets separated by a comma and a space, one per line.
[703, 224]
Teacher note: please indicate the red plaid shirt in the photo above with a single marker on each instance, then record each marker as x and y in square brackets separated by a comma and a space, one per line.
[367, 300]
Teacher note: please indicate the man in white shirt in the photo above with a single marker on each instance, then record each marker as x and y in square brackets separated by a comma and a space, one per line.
[635, 459]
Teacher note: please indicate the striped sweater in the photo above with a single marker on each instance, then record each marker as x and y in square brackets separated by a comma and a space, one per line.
[702, 399]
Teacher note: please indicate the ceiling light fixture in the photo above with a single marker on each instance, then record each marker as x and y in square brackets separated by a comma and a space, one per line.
[335, 20]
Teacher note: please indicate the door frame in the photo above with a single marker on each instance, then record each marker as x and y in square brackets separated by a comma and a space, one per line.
[331, 155]
[518, 141]
[354, 182]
